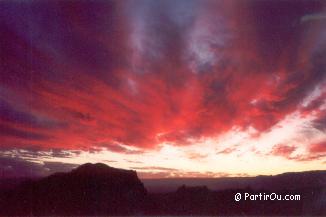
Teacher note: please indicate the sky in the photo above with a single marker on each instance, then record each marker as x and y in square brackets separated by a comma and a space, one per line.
[168, 88]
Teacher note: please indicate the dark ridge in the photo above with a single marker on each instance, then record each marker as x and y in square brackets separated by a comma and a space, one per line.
[101, 190]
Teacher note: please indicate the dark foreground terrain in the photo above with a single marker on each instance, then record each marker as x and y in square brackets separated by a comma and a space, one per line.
[97, 189]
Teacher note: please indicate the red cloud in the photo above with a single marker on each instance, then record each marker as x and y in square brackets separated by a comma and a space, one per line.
[283, 150]
[318, 148]
[315, 152]
[83, 85]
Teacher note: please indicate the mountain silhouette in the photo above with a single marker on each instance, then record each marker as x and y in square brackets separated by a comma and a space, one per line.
[200, 201]
[98, 189]
[91, 189]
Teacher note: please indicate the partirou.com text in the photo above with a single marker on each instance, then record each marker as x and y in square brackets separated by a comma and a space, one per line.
[266, 196]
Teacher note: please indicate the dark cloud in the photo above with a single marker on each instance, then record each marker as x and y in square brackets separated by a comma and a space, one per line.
[53, 167]
[110, 161]
[275, 33]
[133, 161]
[22, 64]
[10, 114]
[42, 35]
[36, 152]
[12, 132]
[78, 115]
[17, 167]
[320, 123]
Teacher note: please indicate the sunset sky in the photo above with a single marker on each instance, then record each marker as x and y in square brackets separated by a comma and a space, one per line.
[168, 88]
